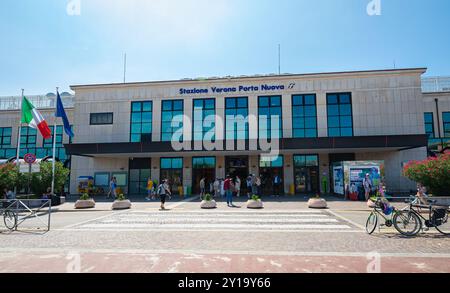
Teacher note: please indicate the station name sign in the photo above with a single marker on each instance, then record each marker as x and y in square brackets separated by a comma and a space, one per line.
[239, 89]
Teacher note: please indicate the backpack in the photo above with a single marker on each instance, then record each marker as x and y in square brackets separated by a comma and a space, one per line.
[160, 189]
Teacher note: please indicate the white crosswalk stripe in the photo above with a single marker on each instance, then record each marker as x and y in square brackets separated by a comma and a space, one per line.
[289, 221]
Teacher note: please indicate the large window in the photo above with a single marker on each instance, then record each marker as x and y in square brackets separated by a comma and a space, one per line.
[270, 112]
[340, 117]
[446, 120]
[48, 143]
[140, 173]
[102, 118]
[266, 162]
[28, 137]
[304, 116]
[172, 170]
[141, 122]
[204, 163]
[171, 111]
[5, 137]
[235, 126]
[172, 163]
[429, 125]
[204, 118]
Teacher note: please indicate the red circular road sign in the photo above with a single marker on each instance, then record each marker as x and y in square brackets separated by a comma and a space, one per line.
[29, 158]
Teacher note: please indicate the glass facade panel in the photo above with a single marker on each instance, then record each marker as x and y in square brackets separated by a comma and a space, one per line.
[340, 117]
[268, 108]
[429, 125]
[171, 111]
[141, 121]
[5, 137]
[446, 121]
[304, 113]
[236, 128]
[204, 118]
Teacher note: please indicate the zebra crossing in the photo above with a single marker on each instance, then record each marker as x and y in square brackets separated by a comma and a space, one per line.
[239, 221]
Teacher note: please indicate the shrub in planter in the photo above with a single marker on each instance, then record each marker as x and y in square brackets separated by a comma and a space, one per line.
[208, 202]
[434, 173]
[255, 203]
[121, 203]
[85, 202]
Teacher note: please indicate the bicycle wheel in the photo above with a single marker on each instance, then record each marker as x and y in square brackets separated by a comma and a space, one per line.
[444, 227]
[372, 223]
[10, 220]
[407, 223]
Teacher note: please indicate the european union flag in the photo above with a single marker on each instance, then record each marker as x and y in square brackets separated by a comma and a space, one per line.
[60, 112]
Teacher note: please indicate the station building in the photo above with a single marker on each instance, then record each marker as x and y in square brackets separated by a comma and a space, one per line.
[125, 130]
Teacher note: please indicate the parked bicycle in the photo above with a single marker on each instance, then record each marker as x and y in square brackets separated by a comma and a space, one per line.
[437, 217]
[392, 217]
[9, 216]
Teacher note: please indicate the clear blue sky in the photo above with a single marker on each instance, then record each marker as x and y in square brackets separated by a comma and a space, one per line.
[43, 47]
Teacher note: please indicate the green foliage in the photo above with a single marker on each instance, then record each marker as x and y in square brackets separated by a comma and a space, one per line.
[255, 197]
[121, 197]
[43, 180]
[208, 197]
[9, 176]
[434, 173]
[85, 196]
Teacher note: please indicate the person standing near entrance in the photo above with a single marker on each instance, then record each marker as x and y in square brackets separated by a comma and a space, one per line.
[163, 192]
[202, 188]
[249, 185]
[228, 187]
[216, 187]
[238, 186]
[276, 185]
[112, 188]
[150, 190]
[367, 184]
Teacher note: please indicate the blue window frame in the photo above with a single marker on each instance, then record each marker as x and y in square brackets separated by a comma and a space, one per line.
[304, 116]
[48, 143]
[28, 137]
[429, 125]
[236, 128]
[268, 108]
[141, 121]
[340, 114]
[446, 121]
[306, 161]
[204, 113]
[171, 111]
[277, 163]
[5, 137]
[171, 163]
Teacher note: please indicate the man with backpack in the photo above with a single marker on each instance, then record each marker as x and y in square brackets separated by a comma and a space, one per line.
[163, 192]
[228, 187]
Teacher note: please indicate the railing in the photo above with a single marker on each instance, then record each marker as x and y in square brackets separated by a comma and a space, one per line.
[40, 102]
[32, 214]
[436, 84]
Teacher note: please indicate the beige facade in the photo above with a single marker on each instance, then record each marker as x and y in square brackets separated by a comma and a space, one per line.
[387, 105]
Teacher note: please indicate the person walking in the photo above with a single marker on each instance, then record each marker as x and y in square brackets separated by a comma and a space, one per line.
[237, 186]
[276, 185]
[216, 187]
[258, 183]
[202, 188]
[249, 185]
[228, 187]
[163, 192]
[111, 188]
[150, 189]
[367, 184]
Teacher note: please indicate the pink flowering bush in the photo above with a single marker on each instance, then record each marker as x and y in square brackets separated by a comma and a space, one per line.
[434, 173]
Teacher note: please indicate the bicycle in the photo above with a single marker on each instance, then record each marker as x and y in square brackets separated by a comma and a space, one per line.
[9, 216]
[396, 215]
[438, 218]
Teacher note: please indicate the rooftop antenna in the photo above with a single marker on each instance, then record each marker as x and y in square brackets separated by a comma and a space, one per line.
[279, 59]
[395, 65]
[125, 68]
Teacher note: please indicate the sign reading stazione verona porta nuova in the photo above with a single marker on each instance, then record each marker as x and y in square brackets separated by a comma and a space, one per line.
[236, 89]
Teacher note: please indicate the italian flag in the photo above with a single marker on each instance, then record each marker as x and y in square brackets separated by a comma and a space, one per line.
[34, 119]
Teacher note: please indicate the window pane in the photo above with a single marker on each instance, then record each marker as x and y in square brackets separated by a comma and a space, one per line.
[344, 99]
[333, 110]
[136, 117]
[299, 133]
[297, 100]
[146, 128]
[242, 103]
[136, 128]
[263, 102]
[310, 100]
[147, 107]
[177, 163]
[178, 106]
[136, 107]
[167, 105]
[446, 117]
[332, 99]
[298, 123]
[428, 118]
[347, 132]
[7, 131]
[310, 133]
[345, 109]
[135, 138]
[346, 121]
[147, 117]
[298, 111]
[311, 122]
[275, 101]
[334, 132]
[230, 103]
[312, 161]
[333, 122]
[310, 111]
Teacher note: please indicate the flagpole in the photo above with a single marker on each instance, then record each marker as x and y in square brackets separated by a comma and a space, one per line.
[18, 138]
[54, 144]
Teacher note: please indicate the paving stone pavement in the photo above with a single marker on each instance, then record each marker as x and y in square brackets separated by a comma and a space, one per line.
[284, 237]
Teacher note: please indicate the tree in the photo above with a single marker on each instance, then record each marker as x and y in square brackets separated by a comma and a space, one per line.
[43, 180]
[9, 176]
[434, 173]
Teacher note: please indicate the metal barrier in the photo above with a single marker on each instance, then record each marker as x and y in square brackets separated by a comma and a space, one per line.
[27, 210]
